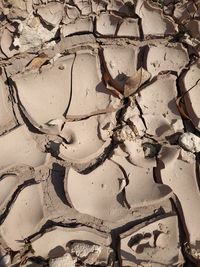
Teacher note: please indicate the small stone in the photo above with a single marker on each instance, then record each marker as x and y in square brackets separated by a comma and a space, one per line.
[88, 253]
[190, 142]
[187, 156]
[150, 150]
[5, 260]
[65, 261]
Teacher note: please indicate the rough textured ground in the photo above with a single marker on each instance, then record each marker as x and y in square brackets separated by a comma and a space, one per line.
[99, 133]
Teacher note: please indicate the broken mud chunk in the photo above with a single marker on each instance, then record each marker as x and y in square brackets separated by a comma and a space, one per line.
[28, 152]
[51, 13]
[190, 90]
[161, 114]
[99, 142]
[97, 193]
[7, 119]
[121, 63]
[107, 24]
[84, 6]
[89, 94]
[7, 43]
[72, 13]
[193, 27]
[78, 27]
[129, 28]
[136, 194]
[81, 146]
[54, 242]
[154, 23]
[49, 90]
[27, 208]
[174, 58]
[8, 186]
[156, 244]
[183, 182]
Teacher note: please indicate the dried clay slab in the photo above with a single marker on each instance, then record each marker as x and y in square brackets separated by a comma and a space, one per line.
[82, 146]
[161, 114]
[79, 26]
[154, 23]
[7, 42]
[183, 182]
[120, 62]
[193, 26]
[129, 28]
[53, 243]
[166, 57]
[46, 95]
[120, 6]
[12, 181]
[51, 13]
[7, 119]
[18, 147]
[8, 184]
[23, 218]
[107, 24]
[98, 193]
[156, 244]
[135, 154]
[141, 190]
[85, 7]
[113, 25]
[89, 94]
[72, 13]
[190, 88]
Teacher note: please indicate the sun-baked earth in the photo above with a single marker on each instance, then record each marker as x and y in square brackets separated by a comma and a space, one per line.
[99, 133]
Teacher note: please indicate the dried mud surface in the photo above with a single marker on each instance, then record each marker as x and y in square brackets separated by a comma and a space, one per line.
[99, 133]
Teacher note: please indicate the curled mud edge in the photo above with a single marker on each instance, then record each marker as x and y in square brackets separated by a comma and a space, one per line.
[99, 133]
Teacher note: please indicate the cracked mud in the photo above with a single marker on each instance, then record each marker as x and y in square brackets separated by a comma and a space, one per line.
[99, 133]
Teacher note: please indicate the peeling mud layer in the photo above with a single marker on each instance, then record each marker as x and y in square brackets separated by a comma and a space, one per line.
[99, 133]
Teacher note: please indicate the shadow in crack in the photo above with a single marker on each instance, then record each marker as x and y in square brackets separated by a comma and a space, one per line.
[57, 179]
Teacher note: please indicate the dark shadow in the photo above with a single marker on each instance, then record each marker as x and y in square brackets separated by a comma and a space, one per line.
[162, 129]
[57, 179]
[173, 138]
[102, 89]
[173, 107]
[56, 252]
[142, 57]
[154, 149]
[128, 256]
[127, 9]
[53, 148]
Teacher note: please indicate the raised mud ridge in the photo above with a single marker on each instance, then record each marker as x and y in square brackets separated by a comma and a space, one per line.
[99, 133]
